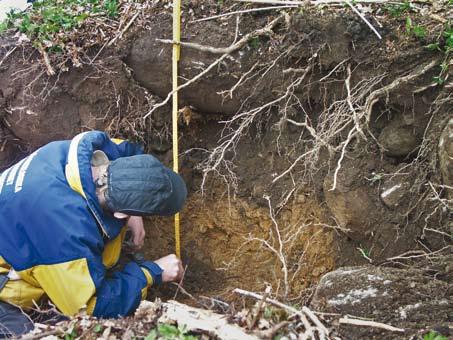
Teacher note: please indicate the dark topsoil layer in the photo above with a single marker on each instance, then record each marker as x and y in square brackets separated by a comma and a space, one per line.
[383, 204]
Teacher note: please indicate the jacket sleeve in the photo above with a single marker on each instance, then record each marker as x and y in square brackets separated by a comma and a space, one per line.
[86, 283]
[119, 293]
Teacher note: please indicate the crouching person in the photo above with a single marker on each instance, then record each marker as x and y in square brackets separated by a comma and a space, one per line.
[65, 210]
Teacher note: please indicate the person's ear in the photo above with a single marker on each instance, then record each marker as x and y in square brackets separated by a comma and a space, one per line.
[120, 215]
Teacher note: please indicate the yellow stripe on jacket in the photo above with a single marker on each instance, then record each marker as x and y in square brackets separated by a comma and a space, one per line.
[30, 289]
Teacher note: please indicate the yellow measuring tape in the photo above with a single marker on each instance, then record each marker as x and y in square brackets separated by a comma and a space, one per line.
[175, 58]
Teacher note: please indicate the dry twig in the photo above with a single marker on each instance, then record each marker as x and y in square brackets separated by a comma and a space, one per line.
[243, 11]
[180, 282]
[259, 309]
[322, 330]
[358, 322]
[44, 334]
[311, 2]
[45, 56]
[7, 55]
[119, 35]
[363, 18]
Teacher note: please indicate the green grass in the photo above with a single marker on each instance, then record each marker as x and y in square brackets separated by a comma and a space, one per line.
[47, 22]
[419, 31]
[254, 42]
[448, 35]
[98, 328]
[432, 335]
[399, 9]
[443, 44]
[71, 334]
[3, 26]
[170, 332]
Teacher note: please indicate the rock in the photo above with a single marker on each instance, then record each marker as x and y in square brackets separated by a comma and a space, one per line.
[349, 204]
[446, 156]
[401, 298]
[394, 190]
[39, 122]
[399, 141]
[149, 61]
[196, 319]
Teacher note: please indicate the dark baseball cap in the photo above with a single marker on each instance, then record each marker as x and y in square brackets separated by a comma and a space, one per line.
[141, 185]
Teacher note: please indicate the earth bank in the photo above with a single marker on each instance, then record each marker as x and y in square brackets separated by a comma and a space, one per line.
[259, 213]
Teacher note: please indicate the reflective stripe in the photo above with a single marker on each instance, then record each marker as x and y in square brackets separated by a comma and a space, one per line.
[23, 171]
[72, 173]
[72, 167]
[2, 179]
[12, 173]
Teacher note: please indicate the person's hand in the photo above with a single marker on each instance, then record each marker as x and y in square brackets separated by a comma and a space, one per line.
[135, 224]
[171, 266]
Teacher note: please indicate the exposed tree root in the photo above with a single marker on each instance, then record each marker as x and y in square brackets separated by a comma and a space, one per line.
[374, 97]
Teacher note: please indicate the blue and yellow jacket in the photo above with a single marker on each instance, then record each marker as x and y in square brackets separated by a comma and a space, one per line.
[55, 235]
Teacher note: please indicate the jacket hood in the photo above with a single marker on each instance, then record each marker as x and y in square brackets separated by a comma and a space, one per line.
[79, 176]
